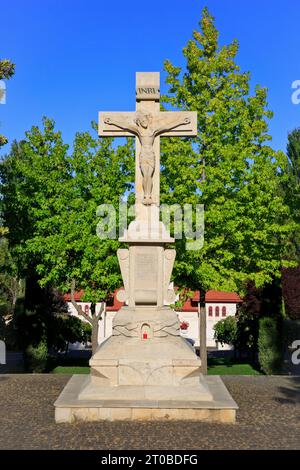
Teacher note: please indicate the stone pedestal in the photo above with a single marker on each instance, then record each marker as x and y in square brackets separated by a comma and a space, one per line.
[145, 370]
[146, 350]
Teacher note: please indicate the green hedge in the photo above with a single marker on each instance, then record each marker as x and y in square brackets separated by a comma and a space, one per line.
[269, 346]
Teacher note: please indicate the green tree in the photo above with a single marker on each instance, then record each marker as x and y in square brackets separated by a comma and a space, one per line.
[56, 195]
[293, 153]
[11, 290]
[101, 174]
[11, 287]
[291, 189]
[7, 70]
[229, 168]
[225, 331]
[66, 329]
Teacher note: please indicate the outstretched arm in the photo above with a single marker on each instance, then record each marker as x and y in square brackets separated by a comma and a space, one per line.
[125, 127]
[171, 126]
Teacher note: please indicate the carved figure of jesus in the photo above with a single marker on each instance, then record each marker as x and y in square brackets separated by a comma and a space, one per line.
[143, 128]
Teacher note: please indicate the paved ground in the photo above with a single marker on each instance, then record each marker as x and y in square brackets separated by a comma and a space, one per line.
[268, 418]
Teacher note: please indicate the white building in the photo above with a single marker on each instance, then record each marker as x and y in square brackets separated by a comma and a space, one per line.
[219, 305]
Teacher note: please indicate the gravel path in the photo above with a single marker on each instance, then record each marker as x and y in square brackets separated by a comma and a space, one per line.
[268, 418]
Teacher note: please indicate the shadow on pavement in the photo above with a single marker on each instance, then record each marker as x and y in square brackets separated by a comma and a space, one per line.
[290, 394]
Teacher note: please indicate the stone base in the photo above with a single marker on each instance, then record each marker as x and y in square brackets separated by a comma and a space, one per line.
[150, 405]
[164, 358]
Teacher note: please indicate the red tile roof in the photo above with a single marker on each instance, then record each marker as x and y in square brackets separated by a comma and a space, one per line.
[218, 296]
[212, 296]
[111, 305]
[77, 296]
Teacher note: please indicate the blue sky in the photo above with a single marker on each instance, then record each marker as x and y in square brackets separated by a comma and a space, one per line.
[76, 57]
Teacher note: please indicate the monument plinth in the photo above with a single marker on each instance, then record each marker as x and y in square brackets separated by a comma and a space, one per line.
[146, 370]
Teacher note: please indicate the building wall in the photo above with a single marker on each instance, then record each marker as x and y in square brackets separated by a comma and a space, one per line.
[191, 317]
[211, 319]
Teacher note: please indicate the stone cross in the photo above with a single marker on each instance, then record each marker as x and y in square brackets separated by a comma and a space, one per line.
[147, 124]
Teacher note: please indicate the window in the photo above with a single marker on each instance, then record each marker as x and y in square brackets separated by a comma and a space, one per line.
[210, 312]
[217, 311]
[223, 311]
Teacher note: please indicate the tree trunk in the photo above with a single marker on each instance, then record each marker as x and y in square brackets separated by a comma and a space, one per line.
[93, 319]
[95, 328]
[14, 299]
[95, 324]
[202, 332]
[104, 325]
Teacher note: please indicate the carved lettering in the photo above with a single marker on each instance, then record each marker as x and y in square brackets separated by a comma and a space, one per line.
[147, 91]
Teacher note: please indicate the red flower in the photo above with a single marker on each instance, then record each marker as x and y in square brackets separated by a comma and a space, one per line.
[184, 325]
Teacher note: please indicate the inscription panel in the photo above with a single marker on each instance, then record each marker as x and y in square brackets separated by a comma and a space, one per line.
[148, 92]
[146, 265]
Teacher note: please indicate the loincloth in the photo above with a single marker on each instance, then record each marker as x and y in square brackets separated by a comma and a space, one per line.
[147, 157]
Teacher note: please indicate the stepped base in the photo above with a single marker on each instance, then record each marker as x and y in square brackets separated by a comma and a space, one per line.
[156, 378]
[146, 403]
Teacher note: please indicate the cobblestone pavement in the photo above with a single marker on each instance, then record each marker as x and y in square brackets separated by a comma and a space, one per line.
[268, 418]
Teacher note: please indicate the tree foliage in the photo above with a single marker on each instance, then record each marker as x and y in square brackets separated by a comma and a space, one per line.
[269, 346]
[11, 290]
[54, 195]
[257, 303]
[291, 190]
[291, 292]
[225, 331]
[11, 287]
[36, 357]
[7, 70]
[34, 320]
[293, 153]
[67, 329]
[230, 168]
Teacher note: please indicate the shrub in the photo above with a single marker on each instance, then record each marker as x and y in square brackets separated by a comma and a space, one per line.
[225, 331]
[36, 357]
[86, 332]
[269, 346]
[65, 329]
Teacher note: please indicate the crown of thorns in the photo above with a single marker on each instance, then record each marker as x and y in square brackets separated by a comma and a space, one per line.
[140, 115]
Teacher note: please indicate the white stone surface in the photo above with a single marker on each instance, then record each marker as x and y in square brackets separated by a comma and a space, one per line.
[144, 404]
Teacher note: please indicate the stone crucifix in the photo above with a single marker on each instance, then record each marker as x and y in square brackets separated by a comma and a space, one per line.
[147, 124]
